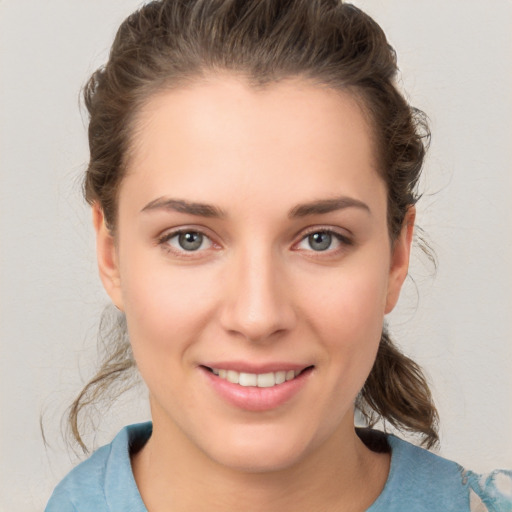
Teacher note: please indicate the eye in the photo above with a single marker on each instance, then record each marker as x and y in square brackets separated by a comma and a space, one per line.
[187, 241]
[322, 241]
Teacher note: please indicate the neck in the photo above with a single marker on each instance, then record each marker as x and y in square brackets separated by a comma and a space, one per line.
[342, 474]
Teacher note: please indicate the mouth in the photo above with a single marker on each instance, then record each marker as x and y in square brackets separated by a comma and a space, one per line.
[260, 380]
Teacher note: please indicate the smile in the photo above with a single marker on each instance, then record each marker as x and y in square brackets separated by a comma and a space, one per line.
[260, 380]
[260, 391]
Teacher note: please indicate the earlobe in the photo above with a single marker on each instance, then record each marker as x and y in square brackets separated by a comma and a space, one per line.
[400, 259]
[107, 257]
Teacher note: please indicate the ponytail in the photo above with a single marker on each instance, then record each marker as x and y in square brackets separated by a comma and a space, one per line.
[397, 392]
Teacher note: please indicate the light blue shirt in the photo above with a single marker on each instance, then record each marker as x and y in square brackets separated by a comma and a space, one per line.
[418, 481]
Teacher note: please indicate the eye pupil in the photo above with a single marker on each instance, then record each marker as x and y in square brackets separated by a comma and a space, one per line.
[320, 241]
[190, 241]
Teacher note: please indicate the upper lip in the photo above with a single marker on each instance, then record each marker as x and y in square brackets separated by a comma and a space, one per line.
[250, 367]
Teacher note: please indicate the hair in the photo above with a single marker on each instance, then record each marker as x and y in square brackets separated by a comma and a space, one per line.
[169, 43]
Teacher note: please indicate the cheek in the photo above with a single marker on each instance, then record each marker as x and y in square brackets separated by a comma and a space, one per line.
[352, 299]
[349, 315]
[166, 306]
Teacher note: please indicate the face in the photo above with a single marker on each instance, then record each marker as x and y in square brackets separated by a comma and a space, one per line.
[253, 262]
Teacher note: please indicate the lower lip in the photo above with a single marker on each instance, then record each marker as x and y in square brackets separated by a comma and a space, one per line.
[252, 398]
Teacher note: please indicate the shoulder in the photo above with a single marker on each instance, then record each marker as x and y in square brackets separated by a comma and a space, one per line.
[420, 480]
[104, 481]
[491, 492]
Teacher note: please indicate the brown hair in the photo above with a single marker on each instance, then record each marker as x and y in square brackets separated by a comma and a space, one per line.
[167, 43]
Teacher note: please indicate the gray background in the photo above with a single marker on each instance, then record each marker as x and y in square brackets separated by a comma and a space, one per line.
[455, 57]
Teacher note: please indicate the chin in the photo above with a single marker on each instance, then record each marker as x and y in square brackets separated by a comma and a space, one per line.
[257, 461]
[259, 452]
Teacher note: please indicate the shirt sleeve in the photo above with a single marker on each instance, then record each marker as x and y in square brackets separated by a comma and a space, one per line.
[59, 502]
[491, 492]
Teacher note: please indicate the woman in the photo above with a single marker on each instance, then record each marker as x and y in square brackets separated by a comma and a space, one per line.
[252, 178]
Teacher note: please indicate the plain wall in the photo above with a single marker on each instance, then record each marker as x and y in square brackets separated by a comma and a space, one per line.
[455, 60]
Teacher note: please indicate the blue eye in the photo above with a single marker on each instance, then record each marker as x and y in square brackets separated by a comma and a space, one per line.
[188, 241]
[323, 240]
[320, 241]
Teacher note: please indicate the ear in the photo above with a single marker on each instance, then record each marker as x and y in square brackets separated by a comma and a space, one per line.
[401, 252]
[108, 264]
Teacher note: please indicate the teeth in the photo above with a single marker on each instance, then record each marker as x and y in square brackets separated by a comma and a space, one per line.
[233, 377]
[248, 379]
[280, 377]
[260, 380]
[266, 380]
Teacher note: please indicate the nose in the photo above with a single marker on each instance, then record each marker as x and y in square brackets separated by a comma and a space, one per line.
[258, 303]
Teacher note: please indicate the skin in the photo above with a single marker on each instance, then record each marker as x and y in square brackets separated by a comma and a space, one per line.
[255, 291]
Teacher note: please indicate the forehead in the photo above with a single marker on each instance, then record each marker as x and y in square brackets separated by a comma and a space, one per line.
[290, 134]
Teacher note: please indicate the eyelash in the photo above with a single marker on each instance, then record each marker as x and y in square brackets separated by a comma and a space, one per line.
[343, 240]
[164, 240]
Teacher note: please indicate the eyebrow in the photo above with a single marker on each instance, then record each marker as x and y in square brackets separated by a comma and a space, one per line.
[323, 206]
[181, 206]
[319, 207]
